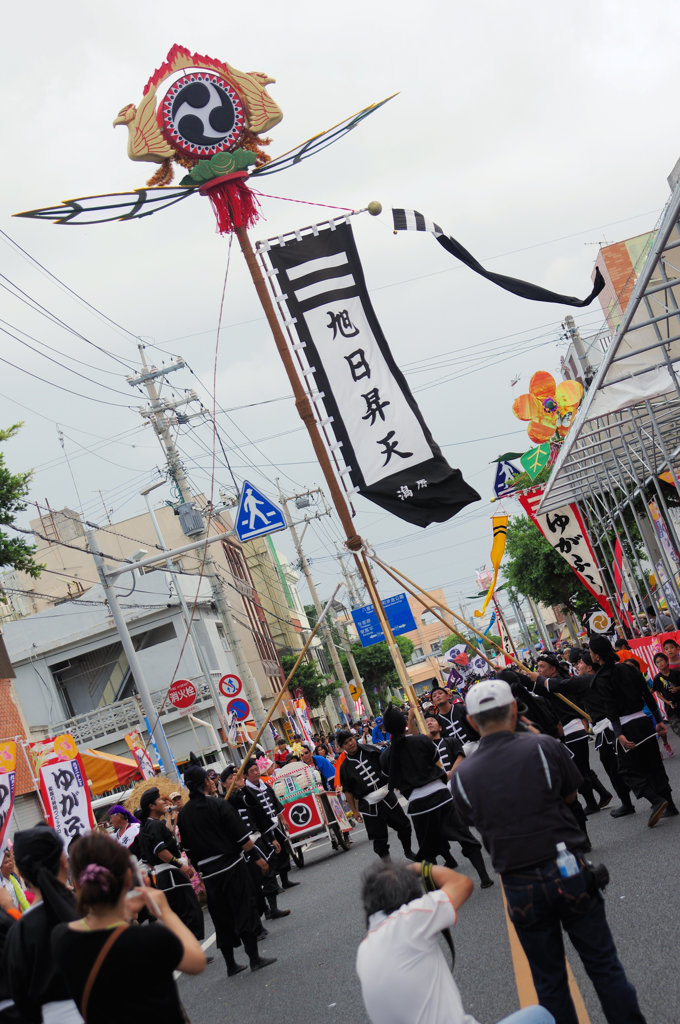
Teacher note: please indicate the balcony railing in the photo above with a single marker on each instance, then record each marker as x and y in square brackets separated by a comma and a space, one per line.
[114, 720]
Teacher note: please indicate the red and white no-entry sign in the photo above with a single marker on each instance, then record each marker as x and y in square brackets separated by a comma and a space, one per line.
[182, 694]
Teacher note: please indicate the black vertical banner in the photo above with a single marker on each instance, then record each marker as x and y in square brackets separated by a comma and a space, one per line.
[392, 457]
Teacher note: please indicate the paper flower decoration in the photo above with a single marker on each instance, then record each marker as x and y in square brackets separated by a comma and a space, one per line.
[548, 407]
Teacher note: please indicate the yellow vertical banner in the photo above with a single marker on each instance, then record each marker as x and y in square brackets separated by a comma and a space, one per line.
[500, 529]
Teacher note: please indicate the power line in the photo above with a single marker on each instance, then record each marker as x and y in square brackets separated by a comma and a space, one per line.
[77, 296]
[51, 383]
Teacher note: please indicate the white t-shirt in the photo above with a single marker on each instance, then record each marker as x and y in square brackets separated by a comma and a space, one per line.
[404, 976]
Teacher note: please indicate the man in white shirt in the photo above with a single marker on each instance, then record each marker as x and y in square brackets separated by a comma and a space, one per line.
[404, 976]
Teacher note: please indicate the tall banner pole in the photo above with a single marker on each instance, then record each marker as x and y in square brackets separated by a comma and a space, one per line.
[304, 407]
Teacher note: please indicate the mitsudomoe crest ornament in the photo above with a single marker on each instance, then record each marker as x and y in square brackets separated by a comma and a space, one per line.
[207, 117]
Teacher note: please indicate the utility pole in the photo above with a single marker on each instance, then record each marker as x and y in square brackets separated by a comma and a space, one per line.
[519, 615]
[153, 718]
[349, 582]
[198, 647]
[355, 603]
[325, 628]
[573, 334]
[157, 418]
[540, 624]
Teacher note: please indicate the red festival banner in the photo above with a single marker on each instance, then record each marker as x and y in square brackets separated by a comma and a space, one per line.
[8, 763]
[565, 530]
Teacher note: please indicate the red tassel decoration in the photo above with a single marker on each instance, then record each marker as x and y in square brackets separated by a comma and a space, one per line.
[233, 203]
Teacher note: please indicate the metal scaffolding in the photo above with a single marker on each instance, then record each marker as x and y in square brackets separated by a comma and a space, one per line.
[627, 431]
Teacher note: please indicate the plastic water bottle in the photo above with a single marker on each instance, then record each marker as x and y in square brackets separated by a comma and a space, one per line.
[567, 864]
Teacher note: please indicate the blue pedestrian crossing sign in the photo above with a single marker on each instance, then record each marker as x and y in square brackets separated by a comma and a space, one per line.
[257, 515]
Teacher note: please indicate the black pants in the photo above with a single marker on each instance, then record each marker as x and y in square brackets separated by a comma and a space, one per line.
[642, 768]
[182, 899]
[578, 747]
[438, 825]
[608, 760]
[541, 904]
[264, 884]
[386, 818]
[232, 905]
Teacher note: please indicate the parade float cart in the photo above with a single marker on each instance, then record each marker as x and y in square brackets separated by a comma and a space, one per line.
[313, 817]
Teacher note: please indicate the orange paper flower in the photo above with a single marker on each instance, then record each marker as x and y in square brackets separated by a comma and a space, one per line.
[548, 407]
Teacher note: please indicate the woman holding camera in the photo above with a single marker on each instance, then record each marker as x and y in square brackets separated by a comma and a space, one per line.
[105, 943]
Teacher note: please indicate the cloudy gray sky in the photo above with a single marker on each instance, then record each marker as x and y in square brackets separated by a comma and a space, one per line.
[531, 132]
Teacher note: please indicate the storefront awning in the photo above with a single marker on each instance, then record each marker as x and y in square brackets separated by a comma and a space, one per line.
[108, 771]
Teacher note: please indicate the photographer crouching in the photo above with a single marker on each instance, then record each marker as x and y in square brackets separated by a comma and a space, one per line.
[401, 966]
[517, 789]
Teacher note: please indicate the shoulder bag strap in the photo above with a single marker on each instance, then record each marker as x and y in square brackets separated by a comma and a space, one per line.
[92, 976]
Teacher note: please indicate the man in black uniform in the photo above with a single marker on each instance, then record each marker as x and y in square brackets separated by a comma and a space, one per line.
[215, 839]
[265, 881]
[517, 789]
[451, 717]
[160, 850]
[411, 763]
[625, 694]
[360, 777]
[553, 680]
[449, 749]
[265, 812]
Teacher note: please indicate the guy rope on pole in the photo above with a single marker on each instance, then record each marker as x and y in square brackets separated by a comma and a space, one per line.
[401, 579]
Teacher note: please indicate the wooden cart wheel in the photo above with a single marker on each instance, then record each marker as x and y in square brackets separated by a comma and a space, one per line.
[298, 857]
[344, 841]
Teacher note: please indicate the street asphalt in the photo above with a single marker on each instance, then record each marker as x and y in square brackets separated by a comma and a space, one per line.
[314, 979]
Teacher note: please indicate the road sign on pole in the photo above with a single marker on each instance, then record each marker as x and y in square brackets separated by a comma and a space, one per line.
[257, 515]
[230, 685]
[240, 708]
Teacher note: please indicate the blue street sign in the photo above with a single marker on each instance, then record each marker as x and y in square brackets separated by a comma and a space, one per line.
[399, 616]
[257, 515]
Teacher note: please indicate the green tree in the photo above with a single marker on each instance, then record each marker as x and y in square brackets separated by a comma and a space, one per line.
[376, 666]
[452, 640]
[310, 612]
[314, 687]
[532, 567]
[14, 552]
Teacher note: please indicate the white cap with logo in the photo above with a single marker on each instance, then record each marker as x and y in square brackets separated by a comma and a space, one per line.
[489, 694]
